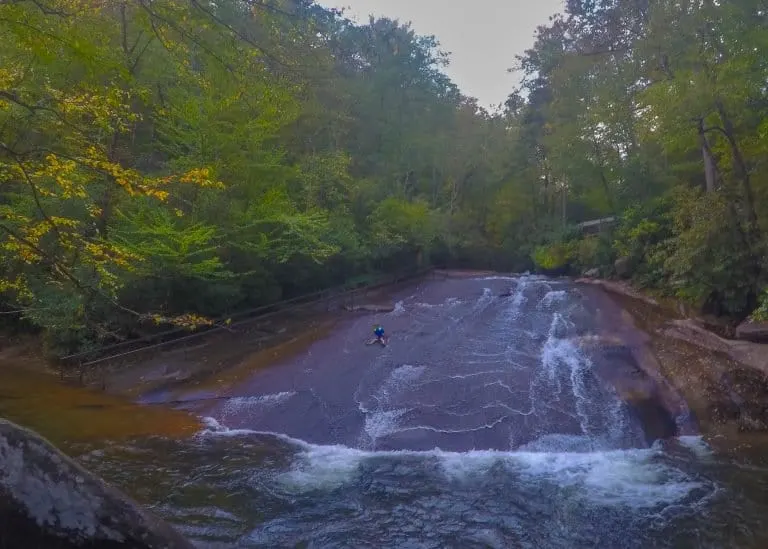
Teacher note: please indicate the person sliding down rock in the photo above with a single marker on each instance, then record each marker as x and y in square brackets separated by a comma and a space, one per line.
[378, 333]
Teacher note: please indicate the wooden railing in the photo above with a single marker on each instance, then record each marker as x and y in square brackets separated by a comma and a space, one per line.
[230, 323]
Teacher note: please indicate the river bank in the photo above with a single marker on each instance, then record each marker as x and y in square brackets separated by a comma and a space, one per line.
[69, 415]
[724, 382]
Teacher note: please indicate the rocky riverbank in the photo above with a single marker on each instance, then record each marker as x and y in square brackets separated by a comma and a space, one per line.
[724, 381]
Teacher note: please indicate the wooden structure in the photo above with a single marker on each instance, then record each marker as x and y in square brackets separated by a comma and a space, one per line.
[596, 226]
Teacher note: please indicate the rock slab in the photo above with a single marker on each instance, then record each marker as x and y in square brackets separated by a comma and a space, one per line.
[756, 332]
[370, 308]
[48, 500]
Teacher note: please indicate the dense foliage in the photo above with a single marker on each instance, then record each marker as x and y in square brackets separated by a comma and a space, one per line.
[655, 112]
[172, 161]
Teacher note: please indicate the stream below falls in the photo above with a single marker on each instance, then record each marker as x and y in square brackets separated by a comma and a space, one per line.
[484, 423]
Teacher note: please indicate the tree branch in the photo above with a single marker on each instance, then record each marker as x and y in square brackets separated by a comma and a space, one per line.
[47, 10]
[239, 35]
[136, 43]
[58, 269]
[34, 109]
[184, 34]
[36, 197]
[135, 63]
[716, 129]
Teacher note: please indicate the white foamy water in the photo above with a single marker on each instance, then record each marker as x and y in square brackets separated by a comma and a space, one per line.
[239, 404]
[484, 299]
[632, 478]
[448, 302]
[397, 380]
[697, 445]
[565, 379]
[629, 478]
[215, 428]
[553, 297]
[381, 423]
[380, 420]
[558, 354]
[518, 299]
[399, 309]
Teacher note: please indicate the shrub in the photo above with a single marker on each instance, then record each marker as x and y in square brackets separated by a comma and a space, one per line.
[641, 228]
[710, 262]
[761, 313]
[553, 257]
[593, 251]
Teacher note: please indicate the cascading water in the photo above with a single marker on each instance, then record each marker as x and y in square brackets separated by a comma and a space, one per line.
[482, 424]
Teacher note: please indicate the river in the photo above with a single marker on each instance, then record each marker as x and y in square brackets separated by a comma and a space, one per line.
[484, 423]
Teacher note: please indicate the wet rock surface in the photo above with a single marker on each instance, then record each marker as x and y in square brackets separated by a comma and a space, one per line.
[371, 308]
[748, 394]
[622, 358]
[756, 332]
[491, 363]
[48, 501]
[724, 382]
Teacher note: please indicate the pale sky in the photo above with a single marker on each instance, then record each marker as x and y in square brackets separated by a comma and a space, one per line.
[483, 36]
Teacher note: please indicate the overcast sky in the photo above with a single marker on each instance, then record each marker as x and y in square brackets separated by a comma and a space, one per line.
[483, 36]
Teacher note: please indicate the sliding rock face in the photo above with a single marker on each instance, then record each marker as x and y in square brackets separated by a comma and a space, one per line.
[47, 500]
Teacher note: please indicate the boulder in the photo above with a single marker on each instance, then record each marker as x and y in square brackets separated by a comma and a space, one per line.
[623, 267]
[592, 273]
[756, 332]
[48, 500]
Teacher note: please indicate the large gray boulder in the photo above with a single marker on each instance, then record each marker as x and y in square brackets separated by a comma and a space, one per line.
[47, 500]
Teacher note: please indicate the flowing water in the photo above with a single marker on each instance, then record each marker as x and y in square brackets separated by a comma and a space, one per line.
[483, 424]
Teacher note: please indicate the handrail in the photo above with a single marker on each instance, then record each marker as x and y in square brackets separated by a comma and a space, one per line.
[247, 316]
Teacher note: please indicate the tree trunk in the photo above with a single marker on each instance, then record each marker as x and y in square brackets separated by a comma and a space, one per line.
[742, 171]
[564, 204]
[603, 179]
[752, 233]
[710, 165]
